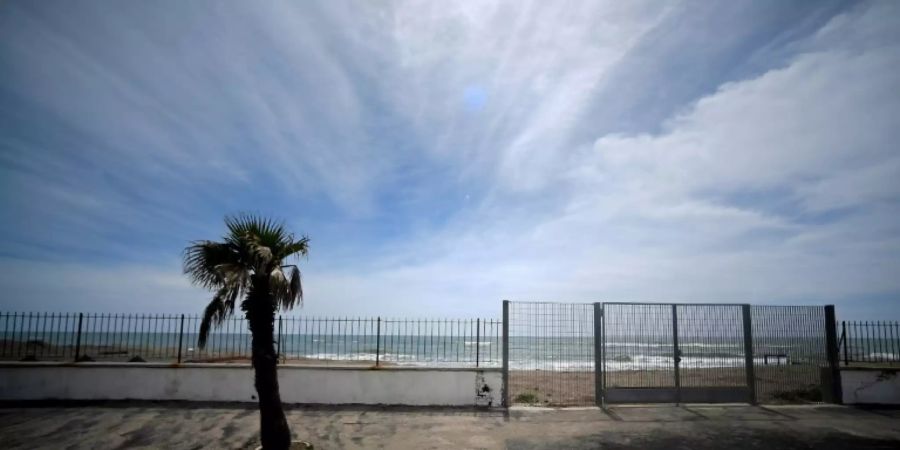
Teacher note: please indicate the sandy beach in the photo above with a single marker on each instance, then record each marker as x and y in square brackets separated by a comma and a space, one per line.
[774, 384]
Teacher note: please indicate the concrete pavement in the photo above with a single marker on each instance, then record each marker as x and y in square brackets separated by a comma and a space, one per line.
[192, 426]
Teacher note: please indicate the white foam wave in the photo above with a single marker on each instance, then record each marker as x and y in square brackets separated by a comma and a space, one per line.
[883, 355]
[669, 345]
[638, 362]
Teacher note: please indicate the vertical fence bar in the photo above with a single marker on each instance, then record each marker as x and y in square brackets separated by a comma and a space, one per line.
[748, 355]
[598, 355]
[676, 354]
[477, 341]
[17, 344]
[505, 353]
[603, 355]
[180, 338]
[5, 330]
[844, 338]
[892, 327]
[378, 343]
[868, 334]
[832, 350]
[278, 350]
[78, 337]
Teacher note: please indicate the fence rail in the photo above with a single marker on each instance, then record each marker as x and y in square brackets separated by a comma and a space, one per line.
[173, 338]
[549, 352]
[866, 342]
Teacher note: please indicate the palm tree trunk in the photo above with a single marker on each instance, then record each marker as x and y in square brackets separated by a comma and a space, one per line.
[274, 431]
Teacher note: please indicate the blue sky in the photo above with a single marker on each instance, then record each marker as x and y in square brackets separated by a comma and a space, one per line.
[443, 157]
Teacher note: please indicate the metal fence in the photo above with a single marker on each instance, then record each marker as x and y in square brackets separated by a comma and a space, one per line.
[675, 353]
[869, 342]
[551, 353]
[173, 338]
[580, 354]
[791, 353]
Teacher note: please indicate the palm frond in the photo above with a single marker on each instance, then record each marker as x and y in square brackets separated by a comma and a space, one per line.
[299, 248]
[296, 289]
[202, 259]
[260, 239]
[285, 290]
[279, 286]
[253, 249]
[268, 232]
[221, 306]
[262, 255]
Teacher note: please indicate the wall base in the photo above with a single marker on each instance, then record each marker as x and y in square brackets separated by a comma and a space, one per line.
[234, 382]
[870, 385]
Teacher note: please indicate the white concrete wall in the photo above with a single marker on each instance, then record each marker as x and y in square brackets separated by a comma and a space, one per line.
[231, 382]
[870, 386]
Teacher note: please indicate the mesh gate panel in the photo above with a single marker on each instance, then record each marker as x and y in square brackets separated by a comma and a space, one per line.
[638, 345]
[789, 353]
[711, 339]
[551, 353]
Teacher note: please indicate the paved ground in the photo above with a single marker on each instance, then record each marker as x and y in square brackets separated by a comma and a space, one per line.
[188, 426]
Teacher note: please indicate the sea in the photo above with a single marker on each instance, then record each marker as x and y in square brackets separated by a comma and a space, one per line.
[525, 352]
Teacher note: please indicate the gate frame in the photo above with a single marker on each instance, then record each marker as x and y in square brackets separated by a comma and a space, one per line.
[505, 394]
[675, 394]
[600, 388]
[599, 355]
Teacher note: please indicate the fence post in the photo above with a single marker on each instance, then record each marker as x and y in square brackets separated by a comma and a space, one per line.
[78, 337]
[378, 343]
[477, 341]
[505, 399]
[180, 338]
[844, 340]
[676, 354]
[748, 355]
[598, 355]
[832, 352]
[278, 350]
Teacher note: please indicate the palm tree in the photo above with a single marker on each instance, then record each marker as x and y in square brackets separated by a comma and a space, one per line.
[249, 263]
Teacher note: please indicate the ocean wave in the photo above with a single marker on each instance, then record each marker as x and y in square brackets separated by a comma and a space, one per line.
[883, 355]
[612, 364]
[669, 345]
[635, 362]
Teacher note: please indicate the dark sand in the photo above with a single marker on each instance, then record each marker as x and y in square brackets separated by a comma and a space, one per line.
[774, 384]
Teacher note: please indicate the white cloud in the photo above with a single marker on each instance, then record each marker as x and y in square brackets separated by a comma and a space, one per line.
[780, 187]
[637, 216]
[538, 62]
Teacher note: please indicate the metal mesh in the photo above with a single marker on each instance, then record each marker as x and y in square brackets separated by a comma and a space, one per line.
[789, 353]
[638, 345]
[667, 352]
[551, 353]
[711, 339]
[641, 342]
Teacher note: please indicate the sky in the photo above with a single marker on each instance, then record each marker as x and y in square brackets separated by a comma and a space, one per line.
[443, 156]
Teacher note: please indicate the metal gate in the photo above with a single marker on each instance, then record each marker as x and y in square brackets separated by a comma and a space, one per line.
[549, 353]
[569, 354]
[661, 353]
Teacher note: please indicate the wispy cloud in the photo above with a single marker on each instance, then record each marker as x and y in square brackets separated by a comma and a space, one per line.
[446, 157]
